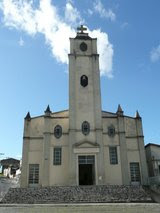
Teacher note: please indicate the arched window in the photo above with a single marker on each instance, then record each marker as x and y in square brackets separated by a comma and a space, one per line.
[58, 131]
[85, 128]
[84, 80]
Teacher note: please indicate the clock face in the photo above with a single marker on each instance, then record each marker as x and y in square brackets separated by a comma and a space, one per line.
[83, 46]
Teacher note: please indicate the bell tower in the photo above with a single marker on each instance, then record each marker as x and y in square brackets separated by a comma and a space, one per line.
[84, 98]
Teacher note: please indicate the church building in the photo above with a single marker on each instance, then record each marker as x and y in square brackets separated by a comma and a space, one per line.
[83, 145]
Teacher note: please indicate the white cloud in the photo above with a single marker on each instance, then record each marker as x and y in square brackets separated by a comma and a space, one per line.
[99, 8]
[21, 42]
[72, 15]
[124, 25]
[23, 16]
[155, 54]
[19, 15]
[90, 12]
[105, 49]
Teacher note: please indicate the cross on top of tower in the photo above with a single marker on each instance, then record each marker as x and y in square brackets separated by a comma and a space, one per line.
[81, 29]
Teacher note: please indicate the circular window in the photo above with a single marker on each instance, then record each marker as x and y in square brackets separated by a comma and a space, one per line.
[83, 46]
[84, 80]
[58, 131]
[85, 128]
[111, 131]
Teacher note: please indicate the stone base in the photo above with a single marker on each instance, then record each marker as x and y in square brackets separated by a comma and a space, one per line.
[78, 194]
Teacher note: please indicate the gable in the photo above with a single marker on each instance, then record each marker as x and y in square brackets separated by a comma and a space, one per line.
[85, 147]
[86, 144]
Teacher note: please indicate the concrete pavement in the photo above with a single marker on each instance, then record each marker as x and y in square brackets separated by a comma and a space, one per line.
[82, 208]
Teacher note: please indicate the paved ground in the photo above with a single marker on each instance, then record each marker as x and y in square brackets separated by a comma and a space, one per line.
[6, 183]
[82, 208]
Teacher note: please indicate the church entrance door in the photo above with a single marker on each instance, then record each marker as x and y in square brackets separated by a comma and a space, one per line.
[86, 170]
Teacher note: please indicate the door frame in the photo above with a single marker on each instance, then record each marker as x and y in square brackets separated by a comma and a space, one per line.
[77, 166]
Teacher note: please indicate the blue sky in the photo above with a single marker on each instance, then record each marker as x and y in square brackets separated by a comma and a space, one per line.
[34, 42]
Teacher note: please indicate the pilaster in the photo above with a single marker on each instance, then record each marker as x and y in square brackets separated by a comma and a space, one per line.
[25, 151]
[46, 149]
[123, 147]
[143, 161]
[72, 118]
[72, 158]
[100, 158]
[98, 117]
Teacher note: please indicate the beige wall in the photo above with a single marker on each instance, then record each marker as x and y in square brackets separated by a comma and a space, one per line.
[59, 175]
[113, 173]
[36, 145]
[132, 143]
[36, 127]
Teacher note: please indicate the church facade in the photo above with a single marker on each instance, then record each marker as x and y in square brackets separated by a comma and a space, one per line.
[83, 145]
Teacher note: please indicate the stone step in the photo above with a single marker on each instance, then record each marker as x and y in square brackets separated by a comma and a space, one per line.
[77, 194]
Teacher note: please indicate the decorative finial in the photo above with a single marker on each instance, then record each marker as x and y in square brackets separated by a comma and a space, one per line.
[81, 29]
[47, 111]
[137, 115]
[119, 110]
[28, 117]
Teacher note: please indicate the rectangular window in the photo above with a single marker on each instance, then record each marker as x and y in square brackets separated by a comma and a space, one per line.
[113, 155]
[33, 173]
[86, 159]
[135, 172]
[57, 156]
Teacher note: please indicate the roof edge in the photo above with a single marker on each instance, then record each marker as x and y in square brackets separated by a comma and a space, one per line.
[152, 144]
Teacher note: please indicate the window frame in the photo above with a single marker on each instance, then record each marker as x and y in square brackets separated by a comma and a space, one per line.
[86, 159]
[84, 131]
[58, 127]
[135, 175]
[33, 177]
[113, 155]
[57, 156]
[111, 131]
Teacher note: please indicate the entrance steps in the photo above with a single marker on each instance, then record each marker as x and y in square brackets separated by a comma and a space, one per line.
[78, 194]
